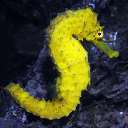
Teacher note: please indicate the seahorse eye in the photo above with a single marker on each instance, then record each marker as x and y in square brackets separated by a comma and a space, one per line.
[99, 34]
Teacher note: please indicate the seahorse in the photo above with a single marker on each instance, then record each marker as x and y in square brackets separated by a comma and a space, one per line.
[71, 60]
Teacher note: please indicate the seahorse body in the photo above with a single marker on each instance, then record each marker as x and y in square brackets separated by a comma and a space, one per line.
[71, 61]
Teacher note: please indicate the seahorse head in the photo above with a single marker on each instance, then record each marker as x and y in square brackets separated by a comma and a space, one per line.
[89, 28]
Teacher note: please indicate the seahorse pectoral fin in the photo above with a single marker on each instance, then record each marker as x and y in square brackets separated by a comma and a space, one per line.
[102, 46]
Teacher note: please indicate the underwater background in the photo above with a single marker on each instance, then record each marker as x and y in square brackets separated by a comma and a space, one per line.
[24, 60]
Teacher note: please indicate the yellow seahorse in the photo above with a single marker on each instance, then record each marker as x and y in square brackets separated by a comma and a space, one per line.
[71, 61]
